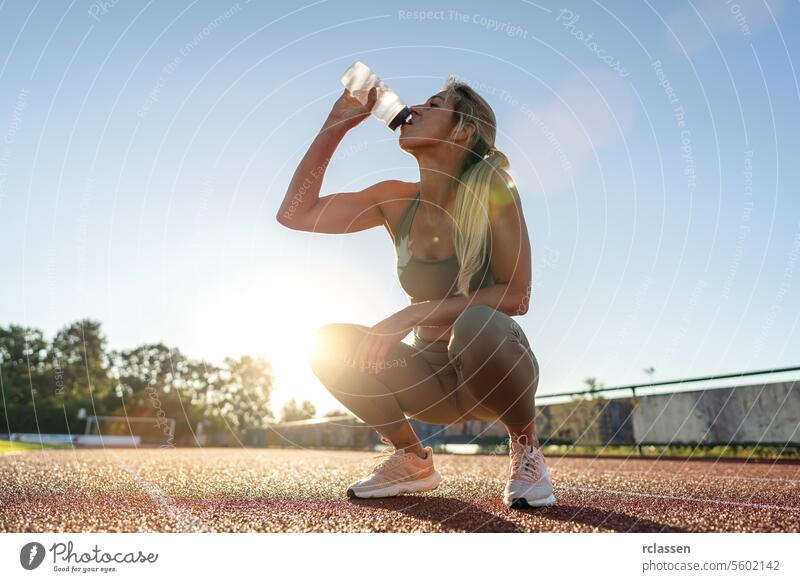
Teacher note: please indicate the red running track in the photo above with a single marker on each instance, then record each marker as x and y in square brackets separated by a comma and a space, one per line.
[282, 490]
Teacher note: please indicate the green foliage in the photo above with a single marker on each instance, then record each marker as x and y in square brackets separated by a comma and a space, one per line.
[14, 446]
[700, 451]
[44, 384]
[294, 410]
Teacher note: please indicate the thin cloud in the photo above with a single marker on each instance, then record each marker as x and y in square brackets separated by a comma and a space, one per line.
[558, 137]
[686, 30]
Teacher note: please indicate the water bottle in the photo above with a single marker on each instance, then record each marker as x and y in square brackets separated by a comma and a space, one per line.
[359, 79]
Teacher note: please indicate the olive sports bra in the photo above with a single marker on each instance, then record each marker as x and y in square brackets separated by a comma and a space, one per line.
[425, 279]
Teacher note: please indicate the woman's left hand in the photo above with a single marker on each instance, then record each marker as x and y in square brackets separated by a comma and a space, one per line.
[370, 355]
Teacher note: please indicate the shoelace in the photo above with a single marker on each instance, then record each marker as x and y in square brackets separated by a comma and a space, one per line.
[525, 460]
[387, 458]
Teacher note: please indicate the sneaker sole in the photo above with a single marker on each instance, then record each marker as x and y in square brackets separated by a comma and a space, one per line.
[522, 503]
[426, 484]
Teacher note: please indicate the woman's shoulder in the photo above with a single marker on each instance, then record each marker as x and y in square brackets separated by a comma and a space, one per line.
[394, 198]
[389, 191]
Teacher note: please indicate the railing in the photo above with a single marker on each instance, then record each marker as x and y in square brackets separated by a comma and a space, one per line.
[619, 406]
[631, 387]
[634, 387]
[318, 420]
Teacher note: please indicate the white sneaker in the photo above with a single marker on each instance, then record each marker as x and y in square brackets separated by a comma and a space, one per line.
[529, 483]
[398, 472]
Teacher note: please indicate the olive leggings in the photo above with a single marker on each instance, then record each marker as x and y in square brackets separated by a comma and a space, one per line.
[487, 371]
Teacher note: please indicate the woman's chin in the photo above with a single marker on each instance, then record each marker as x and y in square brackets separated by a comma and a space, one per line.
[406, 143]
[411, 144]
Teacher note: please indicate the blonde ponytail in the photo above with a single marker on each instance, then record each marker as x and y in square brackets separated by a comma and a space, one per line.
[471, 217]
[482, 162]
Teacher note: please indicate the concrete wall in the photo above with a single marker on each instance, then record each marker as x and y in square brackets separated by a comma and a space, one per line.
[338, 434]
[579, 421]
[766, 413]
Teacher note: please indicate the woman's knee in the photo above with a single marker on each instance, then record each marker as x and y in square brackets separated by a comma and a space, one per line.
[487, 342]
[478, 328]
[334, 345]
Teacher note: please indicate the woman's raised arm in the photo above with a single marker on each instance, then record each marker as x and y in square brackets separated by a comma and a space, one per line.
[303, 209]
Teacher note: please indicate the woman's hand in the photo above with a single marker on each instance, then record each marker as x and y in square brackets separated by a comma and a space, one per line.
[348, 111]
[370, 355]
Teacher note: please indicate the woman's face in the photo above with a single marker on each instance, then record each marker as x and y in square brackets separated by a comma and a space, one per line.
[430, 127]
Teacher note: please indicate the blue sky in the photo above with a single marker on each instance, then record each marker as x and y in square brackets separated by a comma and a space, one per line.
[146, 146]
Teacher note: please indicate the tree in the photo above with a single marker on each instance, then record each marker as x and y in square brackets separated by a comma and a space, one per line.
[28, 387]
[79, 359]
[593, 385]
[79, 350]
[248, 389]
[154, 380]
[338, 412]
[45, 383]
[293, 410]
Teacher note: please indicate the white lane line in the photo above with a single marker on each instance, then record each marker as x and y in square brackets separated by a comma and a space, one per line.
[678, 498]
[187, 521]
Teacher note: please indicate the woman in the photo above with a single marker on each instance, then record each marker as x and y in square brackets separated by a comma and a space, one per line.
[464, 260]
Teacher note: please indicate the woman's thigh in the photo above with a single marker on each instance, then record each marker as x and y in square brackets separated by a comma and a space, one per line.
[421, 392]
[491, 353]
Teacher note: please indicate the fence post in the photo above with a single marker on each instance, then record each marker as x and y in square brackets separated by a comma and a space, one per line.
[635, 440]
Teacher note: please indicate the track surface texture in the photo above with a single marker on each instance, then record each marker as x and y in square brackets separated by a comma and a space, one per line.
[283, 490]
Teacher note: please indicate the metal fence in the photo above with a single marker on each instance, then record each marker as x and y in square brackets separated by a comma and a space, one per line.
[766, 414]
